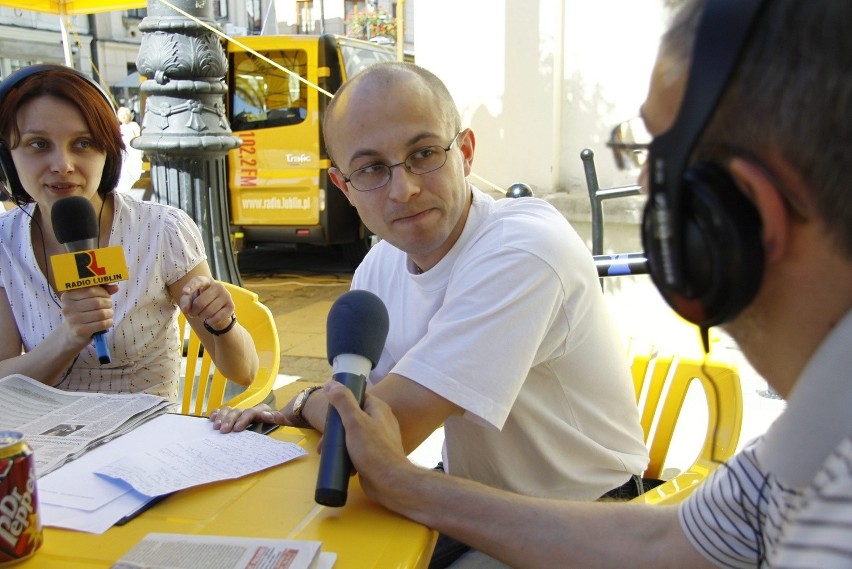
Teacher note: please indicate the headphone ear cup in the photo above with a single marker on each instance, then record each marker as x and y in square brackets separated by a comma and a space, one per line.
[723, 251]
[8, 174]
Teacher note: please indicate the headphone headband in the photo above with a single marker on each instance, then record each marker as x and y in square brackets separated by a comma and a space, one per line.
[719, 41]
[701, 234]
[20, 75]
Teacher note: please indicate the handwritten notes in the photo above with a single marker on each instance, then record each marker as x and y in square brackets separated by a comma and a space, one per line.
[191, 463]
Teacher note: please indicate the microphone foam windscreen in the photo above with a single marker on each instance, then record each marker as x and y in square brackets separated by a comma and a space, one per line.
[74, 219]
[357, 324]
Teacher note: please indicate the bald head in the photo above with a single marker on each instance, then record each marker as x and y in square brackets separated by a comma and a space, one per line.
[382, 81]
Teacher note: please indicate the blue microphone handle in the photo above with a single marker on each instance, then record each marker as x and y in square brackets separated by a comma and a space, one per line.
[101, 347]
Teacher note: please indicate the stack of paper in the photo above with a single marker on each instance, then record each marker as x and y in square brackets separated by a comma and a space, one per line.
[175, 551]
[162, 456]
[61, 426]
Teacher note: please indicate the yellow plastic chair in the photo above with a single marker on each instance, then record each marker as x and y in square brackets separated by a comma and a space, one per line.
[204, 385]
[661, 384]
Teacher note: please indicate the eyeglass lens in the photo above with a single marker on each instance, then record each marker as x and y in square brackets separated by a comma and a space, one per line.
[629, 142]
[422, 161]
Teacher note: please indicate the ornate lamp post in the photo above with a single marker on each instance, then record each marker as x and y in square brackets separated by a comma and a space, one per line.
[185, 131]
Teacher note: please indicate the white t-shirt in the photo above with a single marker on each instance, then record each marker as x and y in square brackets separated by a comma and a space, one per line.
[786, 500]
[511, 325]
[161, 245]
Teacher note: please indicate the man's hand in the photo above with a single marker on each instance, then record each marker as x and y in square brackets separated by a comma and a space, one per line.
[227, 419]
[372, 438]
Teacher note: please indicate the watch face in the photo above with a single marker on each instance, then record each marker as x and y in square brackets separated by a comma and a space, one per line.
[300, 401]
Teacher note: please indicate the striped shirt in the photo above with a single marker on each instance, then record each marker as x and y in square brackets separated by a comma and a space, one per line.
[786, 500]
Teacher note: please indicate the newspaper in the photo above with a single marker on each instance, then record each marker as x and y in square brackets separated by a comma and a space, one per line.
[62, 425]
[177, 551]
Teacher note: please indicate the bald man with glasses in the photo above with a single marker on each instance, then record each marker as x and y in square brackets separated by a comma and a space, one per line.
[498, 327]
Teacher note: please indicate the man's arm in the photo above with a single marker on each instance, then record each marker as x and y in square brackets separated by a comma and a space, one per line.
[419, 410]
[519, 530]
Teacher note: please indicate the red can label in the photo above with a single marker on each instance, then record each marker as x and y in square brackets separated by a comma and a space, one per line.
[20, 526]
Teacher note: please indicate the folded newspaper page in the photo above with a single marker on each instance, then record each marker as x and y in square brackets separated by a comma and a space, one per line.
[177, 551]
[62, 425]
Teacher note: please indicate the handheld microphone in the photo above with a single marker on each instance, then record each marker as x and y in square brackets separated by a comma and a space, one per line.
[76, 226]
[357, 328]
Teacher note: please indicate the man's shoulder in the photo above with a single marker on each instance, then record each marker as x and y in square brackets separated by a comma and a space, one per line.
[530, 223]
[527, 207]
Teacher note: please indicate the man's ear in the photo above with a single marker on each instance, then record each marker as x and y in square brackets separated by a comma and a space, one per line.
[467, 145]
[337, 178]
[761, 189]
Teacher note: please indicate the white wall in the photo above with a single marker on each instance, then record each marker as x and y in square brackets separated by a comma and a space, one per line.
[539, 80]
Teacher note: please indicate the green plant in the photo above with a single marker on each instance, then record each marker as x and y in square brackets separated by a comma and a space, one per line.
[365, 25]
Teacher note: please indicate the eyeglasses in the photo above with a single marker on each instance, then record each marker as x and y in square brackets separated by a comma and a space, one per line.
[422, 161]
[629, 142]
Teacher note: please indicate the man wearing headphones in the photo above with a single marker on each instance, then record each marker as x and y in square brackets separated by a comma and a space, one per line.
[748, 224]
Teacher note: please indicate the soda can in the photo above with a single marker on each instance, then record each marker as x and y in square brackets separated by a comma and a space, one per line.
[20, 525]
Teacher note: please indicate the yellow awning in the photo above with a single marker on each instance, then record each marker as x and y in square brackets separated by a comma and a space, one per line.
[74, 7]
[67, 8]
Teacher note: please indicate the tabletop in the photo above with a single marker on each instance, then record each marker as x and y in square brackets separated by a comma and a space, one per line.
[276, 503]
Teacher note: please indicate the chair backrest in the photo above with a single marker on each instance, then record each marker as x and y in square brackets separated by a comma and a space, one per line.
[203, 384]
[661, 384]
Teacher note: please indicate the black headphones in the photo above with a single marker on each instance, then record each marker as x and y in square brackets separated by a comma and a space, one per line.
[8, 174]
[701, 235]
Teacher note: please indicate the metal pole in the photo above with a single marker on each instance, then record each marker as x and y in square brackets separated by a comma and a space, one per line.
[185, 131]
[400, 27]
[66, 38]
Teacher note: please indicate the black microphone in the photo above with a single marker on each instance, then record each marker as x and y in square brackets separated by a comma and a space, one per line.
[357, 328]
[76, 226]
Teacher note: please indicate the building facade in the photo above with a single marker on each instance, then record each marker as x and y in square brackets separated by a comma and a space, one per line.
[538, 80]
[106, 45]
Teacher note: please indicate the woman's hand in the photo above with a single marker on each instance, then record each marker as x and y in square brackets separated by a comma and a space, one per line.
[207, 299]
[87, 311]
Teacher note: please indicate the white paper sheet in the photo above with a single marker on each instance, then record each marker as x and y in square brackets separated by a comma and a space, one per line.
[191, 463]
[178, 551]
[94, 503]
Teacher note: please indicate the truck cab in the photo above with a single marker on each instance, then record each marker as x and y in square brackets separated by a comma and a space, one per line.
[279, 189]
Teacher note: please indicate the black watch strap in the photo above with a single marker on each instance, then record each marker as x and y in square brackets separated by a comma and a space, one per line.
[224, 330]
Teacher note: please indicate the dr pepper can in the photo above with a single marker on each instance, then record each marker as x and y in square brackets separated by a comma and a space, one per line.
[20, 525]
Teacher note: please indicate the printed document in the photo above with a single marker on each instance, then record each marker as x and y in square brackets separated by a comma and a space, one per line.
[61, 425]
[75, 497]
[176, 551]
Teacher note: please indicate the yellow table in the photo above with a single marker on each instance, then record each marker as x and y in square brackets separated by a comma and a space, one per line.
[275, 503]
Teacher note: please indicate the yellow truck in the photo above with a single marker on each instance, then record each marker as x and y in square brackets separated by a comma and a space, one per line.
[279, 188]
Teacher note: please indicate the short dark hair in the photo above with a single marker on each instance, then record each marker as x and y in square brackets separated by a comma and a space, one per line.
[790, 94]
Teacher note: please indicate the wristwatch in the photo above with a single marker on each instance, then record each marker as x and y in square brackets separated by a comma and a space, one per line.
[299, 406]
[224, 330]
